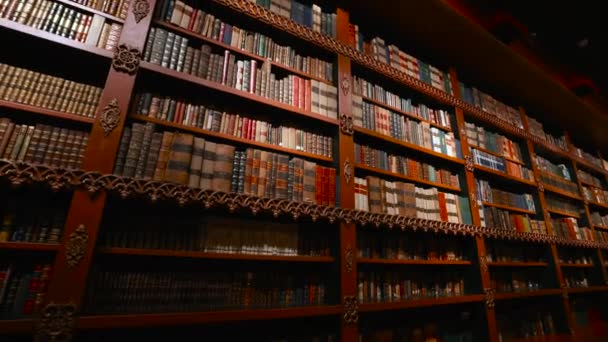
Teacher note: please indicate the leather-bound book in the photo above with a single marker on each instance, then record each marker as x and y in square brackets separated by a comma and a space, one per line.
[12, 142]
[248, 171]
[282, 178]
[145, 147]
[309, 182]
[222, 167]
[180, 157]
[208, 165]
[255, 171]
[263, 173]
[153, 154]
[163, 155]
[242, 164]
[374, 194]
[27, 138]
[135, 144]
[6, 131]
[196, 164]
[123, 147]
[236, 170]
[64, 159]
[332, 187]
[319, 184]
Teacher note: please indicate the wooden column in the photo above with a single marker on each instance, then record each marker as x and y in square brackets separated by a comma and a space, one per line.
[547, 218]
[73, 259]
[479, 241]
[348, 231]
[599, 251]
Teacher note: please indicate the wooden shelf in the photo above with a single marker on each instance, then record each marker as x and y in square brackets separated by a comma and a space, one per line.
[386, 138]
[563, 213]
[526, 294]
[419, 303]
[30, 246]
[598, 205]
[497, 155]
[504, 175]
[402, 112]
[561, 192]
[46, 112]
[412, 262]
[587, 289]
[510, 208]
[91, 10]
[231, 138]
[204, 255]
[518, 264]
[195, 318]
[18, 326]
[566, 264]
[590, 185]
[54, 38]
[546, 147]
[248, 54]
[405, 178]
[588, 165]
[550, 338]
[233, 91]
[600, 227]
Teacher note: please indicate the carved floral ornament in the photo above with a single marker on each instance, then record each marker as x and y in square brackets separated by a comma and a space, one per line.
[345, 84]
[348, 171]
[348, 259]
[141, 9]
[18, 173]
[126, 59]
[77, 246]
[351, 307]
[110, 117]
[489, 297]
[346, 124]
[468, 164]
[56, 322]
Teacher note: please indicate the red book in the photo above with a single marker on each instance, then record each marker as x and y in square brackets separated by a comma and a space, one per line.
[443, 209]
[319, 185]
[195, 14]
[252, 125]
[301, 92]
[308, 95]
[296, 91]
[332, 186]
[244, 128]
[179, 112]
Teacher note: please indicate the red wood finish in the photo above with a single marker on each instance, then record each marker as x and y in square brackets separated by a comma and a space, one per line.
[419, 303]
[517, 264]
[576, 265]
[29, 246]
[412, 262]
[45, 112]
[510, 208]
[527, 294]
[405, 178]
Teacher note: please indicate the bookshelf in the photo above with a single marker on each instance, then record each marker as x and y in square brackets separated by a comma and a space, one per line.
[397, 221]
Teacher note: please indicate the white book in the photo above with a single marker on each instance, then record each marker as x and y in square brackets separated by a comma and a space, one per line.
[239, 75]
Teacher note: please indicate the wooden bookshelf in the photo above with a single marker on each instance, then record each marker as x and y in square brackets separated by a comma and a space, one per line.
[565, 264]
[517, 264]
[398, 176]
[29, 246]
[562, 192]
[587, 289]
[413, 262]
[508, 207]
[504, 175]
[527, 294]
[598, 205]
[45, 112]
[600, 227]
[497, 155]
[563, 213]
[590, 184]
[419, 303]
[91, 10]
[17, 326]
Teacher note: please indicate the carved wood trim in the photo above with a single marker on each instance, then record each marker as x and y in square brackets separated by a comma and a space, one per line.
[483, 263]
[346, 124]
[348, 258]
[110, 117]
[351, 307]
[348, 171]
[468, 164]
[489, 297]
[141, 9]
[345, 84]
[76, 246]
[126, 59]
[56, 322]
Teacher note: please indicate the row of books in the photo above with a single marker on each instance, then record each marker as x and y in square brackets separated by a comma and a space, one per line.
[196, 162]
[559, 182]
[22, 289]
[515, 281]
[567, 228]
[206, 24]
[165, 291]
[117, 8]
[366, 89]
[423, 333]
[500, 252]
[380, 246]
[240, 126]
[559, 170]
[382, 287]
[486, 193]
[595, 160]
[490, 105]
[588, 178]
[599, 219]
[478, 136]
[304, 13]
[535, 128]
[575, 256]
[42, 144]
[42, 223]
[370, 156]
[530, 323]
[46, 91]
[398, 126]
[406, 199]
[576, 278]
[400, 60]
[104, 34]
[503, 219]
[217, 235]
[562, 204]
[171, 50]
[601, 236]
[595, 195]
[499, 164]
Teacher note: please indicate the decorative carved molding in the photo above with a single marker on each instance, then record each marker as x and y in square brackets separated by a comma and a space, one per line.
[348, 258]
[468, 164]
[489, 297]
[110, 116]
[56, 322]
[345, 84]
[541, 187]
[141, 9]
[351, 308]
[77, 246]
[346, 124]
[348, 171]
[483, 263]
[126, 59]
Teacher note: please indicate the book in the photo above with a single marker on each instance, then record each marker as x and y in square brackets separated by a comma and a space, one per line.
[180, 155]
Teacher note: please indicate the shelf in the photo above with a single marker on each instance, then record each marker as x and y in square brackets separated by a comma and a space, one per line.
[588, 165]
[30, 246]
[526, 294]
[46, 112]
[195, 318]
[518, 264]
[598, 205]
[510, 208]
[402, 112]
[221, 256]
[600, 227]
[248, 54]
[565, 264]
[550, 338]
[91, 10]
[563, 213]
[550, 148]
[412, 262]
[418, 303]
[504, 175]
[497, 155]
[370, 133]
[404, 177]
[233, 91]
[587, 289]
[591, 185]
[232, 138]
[18, 326]
[561, 192]
[55, 38]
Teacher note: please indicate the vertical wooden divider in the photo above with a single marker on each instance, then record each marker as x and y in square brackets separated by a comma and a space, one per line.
[599, 251]
[547, 218]
[479, 240]
[348, 231]
[73, 260]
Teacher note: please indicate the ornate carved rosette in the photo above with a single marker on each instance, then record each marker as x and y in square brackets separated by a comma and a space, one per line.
[126, 59]
[346, 124]
[348, 259]
[56, 322]
[141, 9]
[76, 247]
[351, 308]
[345, 84]
[348, 171]
[110, 116]
[489, 297]
[483, 263]
[468, 164]
[540, 186]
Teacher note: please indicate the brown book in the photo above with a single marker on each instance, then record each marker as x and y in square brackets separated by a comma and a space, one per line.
[26, 87]
[41, 147]
[145, 148]
[6, 74]
[282, 177]
[248, 171]
[255, 171]
[6, 130]
[12, 85]
[209, 156]
[123, 147]
[60, 148]
[298, 185]
[374, 194]
[309, 182]
[135, 144]
[66, 153]
[222, 167]
[196, 165]
[263, 173]
[26, 143]
[163, 156]
[179, 158]
[153, 155]
[17, 142]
